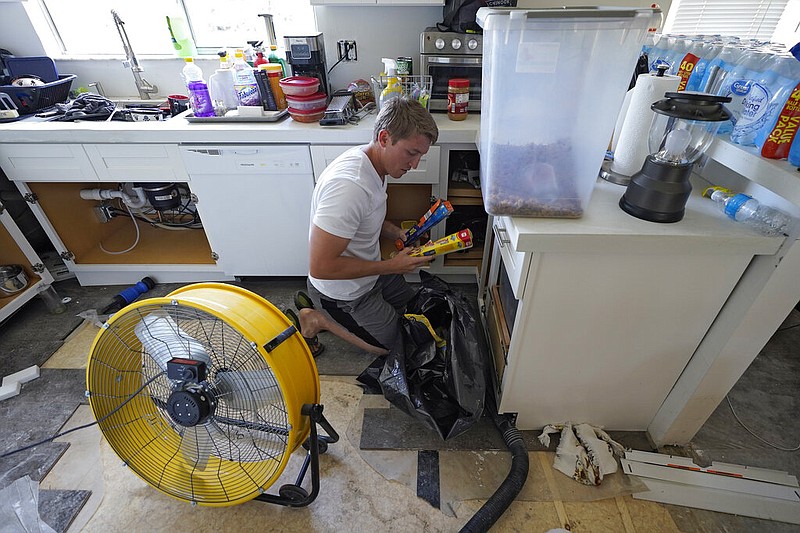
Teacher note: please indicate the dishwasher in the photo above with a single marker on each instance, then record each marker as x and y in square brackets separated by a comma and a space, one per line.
[254, 201]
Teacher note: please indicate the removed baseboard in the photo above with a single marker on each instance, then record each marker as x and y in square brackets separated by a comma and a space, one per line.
[722, 487]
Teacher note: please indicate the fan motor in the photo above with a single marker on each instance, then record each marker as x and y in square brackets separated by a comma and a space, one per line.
[190, 407]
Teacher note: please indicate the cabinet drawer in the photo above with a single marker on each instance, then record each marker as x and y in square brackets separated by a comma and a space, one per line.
[426, 172]
[137, 162]
[516, 263]
[46, 162]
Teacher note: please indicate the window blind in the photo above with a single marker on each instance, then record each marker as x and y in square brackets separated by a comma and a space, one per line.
[748, 19]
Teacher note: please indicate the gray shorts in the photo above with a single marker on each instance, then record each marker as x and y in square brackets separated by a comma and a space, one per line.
[375, 316]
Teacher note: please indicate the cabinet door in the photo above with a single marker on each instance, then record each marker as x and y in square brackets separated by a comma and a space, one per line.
[516, 263]
[137, 162]
[426, 172]
[46, 162]
[15, 250]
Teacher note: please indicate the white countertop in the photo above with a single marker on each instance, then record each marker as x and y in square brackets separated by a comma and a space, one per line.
[179, 130]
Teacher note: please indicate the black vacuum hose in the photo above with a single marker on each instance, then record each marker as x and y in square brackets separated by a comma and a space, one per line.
[497, 504]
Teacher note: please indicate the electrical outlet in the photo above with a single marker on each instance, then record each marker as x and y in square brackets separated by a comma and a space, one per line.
[346, 50]
[103, 212]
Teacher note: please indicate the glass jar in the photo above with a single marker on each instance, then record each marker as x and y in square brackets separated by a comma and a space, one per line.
[457, 98]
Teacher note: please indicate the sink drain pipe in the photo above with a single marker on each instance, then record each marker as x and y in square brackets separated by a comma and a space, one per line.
[497, 504]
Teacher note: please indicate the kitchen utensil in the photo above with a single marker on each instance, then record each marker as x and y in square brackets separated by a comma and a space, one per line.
[12, 280]
[339, 110]
[43, 67]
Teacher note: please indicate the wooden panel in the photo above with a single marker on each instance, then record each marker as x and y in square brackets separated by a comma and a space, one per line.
[83, 233]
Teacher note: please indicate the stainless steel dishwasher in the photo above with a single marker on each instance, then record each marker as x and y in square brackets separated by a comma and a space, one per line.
[254, 201]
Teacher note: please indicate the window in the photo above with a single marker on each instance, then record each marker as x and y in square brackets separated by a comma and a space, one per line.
[748, 19]
[86, 27]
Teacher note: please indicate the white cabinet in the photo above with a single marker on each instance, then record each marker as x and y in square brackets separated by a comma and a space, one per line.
[116, 250]
[255, 202]
[607, 310]
[426, 172]
[46, 162]
[137, 162]
[15, 250]
[377, 2]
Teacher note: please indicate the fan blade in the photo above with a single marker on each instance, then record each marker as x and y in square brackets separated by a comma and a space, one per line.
[163, 339]
[197, 444]
[247, 389]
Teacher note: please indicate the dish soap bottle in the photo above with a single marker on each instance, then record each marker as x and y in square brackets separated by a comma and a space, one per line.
[393, 88]
[198, 90]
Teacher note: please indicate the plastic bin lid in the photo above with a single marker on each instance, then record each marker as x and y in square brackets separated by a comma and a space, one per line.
[565, 12]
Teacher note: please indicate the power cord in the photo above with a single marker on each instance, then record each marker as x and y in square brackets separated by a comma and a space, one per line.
[781, 448]
[113, 411]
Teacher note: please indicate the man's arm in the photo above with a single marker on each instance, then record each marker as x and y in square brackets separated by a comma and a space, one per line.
[327, 261]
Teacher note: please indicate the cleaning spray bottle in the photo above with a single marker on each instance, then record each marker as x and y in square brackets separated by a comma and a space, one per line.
[393, 88]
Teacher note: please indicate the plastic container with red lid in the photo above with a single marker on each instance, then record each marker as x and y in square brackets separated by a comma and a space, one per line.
[299, 85]
[310, 115]
[307, 103]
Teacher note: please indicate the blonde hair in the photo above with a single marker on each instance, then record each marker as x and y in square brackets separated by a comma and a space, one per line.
[403, 118]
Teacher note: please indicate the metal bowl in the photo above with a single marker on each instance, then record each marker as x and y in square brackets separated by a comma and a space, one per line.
[12, 280]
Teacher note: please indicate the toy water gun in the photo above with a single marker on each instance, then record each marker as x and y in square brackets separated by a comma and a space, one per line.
[439, 211]
[455, 242]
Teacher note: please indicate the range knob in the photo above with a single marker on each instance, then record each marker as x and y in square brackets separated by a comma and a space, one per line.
[439, 43]
[456, 44]
[472, 44]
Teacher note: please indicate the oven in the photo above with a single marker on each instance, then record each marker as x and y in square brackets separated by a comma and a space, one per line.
[445, 55]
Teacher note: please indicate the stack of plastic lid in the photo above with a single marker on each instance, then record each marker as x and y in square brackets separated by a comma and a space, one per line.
[306, 103]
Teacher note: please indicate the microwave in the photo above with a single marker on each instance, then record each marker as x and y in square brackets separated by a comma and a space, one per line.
[446, 55]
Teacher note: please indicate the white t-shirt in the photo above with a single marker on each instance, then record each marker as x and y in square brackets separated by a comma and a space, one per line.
[350, 202]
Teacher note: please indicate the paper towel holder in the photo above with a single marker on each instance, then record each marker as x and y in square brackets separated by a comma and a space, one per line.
[606, 169]
[684, 127]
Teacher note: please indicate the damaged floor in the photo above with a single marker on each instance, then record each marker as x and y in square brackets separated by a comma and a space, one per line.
[386, 474]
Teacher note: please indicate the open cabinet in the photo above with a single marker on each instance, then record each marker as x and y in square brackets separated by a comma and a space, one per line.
[117, 250]
[15, 250]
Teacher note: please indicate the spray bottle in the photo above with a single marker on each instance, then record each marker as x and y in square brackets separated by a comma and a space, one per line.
[393, 88]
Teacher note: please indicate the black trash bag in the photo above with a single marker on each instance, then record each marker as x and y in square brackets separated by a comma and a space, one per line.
[442, 387]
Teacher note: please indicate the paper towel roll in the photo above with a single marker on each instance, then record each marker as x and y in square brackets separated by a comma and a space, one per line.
[631, 147]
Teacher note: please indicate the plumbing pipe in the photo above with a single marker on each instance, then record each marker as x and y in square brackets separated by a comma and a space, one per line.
[108, 194]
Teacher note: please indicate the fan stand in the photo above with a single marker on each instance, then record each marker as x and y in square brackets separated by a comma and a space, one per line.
[294, 495]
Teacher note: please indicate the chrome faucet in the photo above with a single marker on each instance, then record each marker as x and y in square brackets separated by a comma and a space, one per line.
[144, 87]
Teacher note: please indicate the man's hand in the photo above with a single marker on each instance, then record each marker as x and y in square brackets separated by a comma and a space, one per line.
[404, 263]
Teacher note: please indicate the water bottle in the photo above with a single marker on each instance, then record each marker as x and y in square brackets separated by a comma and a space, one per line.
[199, 96]
[783, 112]
[794, 152]
[244, 81]
[709, 51]
[746, 209]
[738, 83]
[719, 67]
[763, 85]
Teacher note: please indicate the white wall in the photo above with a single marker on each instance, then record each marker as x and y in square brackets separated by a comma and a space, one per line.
[378, 32]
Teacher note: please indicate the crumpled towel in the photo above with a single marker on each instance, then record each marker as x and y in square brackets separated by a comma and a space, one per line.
[87, 106]
[585, 452]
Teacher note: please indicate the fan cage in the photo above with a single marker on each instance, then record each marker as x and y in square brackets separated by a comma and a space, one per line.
[245, 445]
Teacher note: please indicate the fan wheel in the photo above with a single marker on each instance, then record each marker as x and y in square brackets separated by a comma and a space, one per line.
[217, 416]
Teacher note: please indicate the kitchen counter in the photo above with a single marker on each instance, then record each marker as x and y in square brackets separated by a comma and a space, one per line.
[180, 130]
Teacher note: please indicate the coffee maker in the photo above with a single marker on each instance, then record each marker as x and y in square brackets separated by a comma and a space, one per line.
[306, 55]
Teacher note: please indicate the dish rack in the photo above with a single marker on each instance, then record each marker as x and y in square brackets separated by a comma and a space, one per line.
[418, 87]
[32, 99]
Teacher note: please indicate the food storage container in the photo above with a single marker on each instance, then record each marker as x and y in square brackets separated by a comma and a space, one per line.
[307, 103]
[299, 85]
[309, 115]
[553, 83]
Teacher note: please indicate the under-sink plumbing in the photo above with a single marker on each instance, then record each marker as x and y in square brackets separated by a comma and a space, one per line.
[144, 87]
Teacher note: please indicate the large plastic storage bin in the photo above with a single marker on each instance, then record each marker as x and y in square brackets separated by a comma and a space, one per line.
[553, 83]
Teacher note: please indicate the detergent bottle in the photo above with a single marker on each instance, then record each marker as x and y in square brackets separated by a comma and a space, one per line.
[393, 88]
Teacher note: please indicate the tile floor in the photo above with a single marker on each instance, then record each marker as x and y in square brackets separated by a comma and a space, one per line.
[369, 490]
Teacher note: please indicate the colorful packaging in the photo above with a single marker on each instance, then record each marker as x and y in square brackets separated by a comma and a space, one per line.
[454, 242]
[439, 211]
[784, 130]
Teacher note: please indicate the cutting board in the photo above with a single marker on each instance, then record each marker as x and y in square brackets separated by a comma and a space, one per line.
[44, 67]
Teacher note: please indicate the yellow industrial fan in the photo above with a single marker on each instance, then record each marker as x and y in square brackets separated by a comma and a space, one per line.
[205, 394]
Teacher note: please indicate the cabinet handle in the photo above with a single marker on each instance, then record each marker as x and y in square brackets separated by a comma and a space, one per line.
[499, 233]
